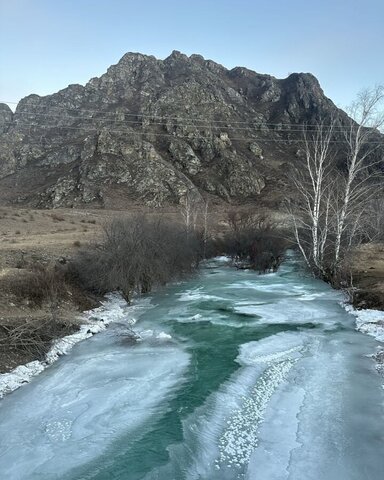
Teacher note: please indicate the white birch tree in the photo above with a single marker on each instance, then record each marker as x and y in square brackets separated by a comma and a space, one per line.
[329, 215]
[313, 183]
[358, 187]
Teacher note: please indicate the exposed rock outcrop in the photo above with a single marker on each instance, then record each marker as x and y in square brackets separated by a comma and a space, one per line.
[150, 131]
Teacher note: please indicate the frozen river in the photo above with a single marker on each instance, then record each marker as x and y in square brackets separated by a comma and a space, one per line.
[237, 376]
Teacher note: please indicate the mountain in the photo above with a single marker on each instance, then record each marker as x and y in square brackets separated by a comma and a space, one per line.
[151, 131]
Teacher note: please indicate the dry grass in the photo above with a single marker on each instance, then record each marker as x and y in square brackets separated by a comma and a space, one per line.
[45, 234]
[368, 276]
[31, 315]
[38, 303]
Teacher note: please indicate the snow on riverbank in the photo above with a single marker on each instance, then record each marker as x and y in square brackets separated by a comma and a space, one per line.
[114, 309]
[370, 322]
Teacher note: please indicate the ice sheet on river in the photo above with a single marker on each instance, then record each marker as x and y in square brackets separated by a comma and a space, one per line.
[271, 303]
[89, 400]
[249, 403]
[326, 422]
[221, 435]
[292, 412]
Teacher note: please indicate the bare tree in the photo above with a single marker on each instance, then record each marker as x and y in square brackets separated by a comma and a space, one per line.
[206, 225]
[190, 211]
[328, 216]
[365, 118]
[314, 186]
[196, 218]
[137, 254]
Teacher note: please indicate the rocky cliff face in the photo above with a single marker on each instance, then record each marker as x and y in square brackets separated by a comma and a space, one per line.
[153, 131]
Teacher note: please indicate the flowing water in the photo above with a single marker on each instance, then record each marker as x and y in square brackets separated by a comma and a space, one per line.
[237, 376]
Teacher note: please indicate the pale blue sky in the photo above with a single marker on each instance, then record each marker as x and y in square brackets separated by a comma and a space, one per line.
[48, 44]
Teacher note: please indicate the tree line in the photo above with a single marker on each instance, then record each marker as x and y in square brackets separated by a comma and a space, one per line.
[140, 252]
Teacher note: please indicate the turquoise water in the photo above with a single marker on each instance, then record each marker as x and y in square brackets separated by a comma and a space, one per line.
[237, 375]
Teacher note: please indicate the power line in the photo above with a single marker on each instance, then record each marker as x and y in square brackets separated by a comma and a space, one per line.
[187, 137]
[139, 122]
[166, 124]
[151, 116]
[261, 126]
[292, 127]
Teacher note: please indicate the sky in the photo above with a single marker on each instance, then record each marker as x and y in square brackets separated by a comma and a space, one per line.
[49, 44]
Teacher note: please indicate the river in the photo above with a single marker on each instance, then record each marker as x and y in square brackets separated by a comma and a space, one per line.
[237, 376]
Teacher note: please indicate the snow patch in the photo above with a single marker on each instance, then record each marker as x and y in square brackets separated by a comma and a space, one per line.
[18, 376]
[370, 322]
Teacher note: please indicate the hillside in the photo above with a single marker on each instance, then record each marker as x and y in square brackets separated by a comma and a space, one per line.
[150, 131]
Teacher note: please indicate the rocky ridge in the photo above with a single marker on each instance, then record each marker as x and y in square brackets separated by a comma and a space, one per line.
[153, 131]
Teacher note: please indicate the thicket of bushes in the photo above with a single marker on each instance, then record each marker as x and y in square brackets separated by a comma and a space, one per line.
[137, 254]
[39, 284]
[253, 241]
[45, 285]
[140, 252]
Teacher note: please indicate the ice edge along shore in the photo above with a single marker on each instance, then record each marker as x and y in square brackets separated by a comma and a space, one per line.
[115, 308]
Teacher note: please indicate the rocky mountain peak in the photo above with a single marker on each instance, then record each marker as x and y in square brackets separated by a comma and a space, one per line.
[152, 131]
[304, 84]
[177, 56]
[132, 57]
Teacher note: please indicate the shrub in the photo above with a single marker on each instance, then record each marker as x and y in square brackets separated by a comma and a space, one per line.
[33, 336]
[135, 255]
[57, 218]
[39, 285]
[253, 241]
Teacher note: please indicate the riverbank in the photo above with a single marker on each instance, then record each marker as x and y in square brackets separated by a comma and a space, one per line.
[39, 239]
[367, 268]
[47, 237]
[40, 296]
[114, 308]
